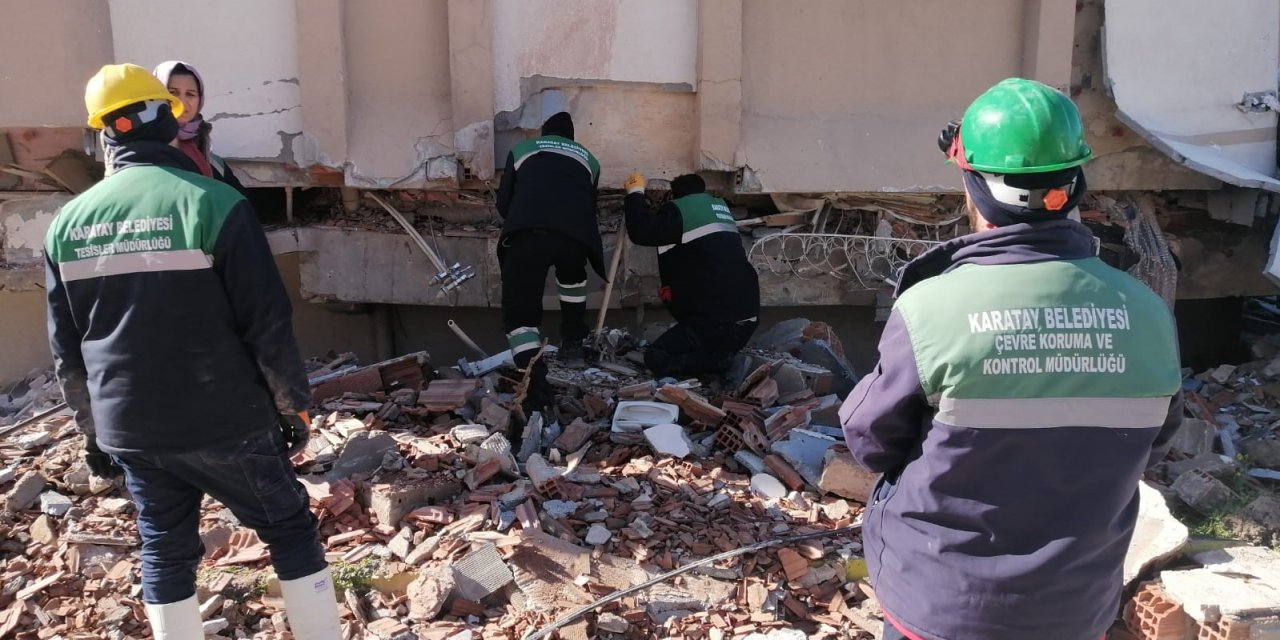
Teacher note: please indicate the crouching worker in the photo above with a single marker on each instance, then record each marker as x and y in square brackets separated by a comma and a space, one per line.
[172, 339]
[707, 284]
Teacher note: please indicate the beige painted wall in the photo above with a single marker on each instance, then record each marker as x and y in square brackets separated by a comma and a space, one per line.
[246, 51]
[401, 128]
[24, 340]
[849, 95]
[821, 95]
[50, 48]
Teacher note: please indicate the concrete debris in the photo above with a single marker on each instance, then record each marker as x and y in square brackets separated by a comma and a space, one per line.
[1194, 438]
[767, 486]
[362, 453]
[469, 433]
[55, 504]
[598, 534]
[412, 478]
[612, 623]
[558, 509]
[806, 451]
[481, 573]
[1263, 453]
[43, 531]
[1237, 584]
[1216, 465]
[428, 593]
[1203, 492]
[669, 440]
[29, 441]
[751, 462]
[843, 476]
[1157, 537]
[25, 492]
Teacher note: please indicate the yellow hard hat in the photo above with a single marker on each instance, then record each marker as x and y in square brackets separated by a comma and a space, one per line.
[116, 86]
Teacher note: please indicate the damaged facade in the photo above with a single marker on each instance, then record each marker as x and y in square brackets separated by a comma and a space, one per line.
[826, 156]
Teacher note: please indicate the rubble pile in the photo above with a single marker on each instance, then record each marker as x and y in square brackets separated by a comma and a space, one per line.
[1216, 488]
[449, 514]
[38, 392]
[1224, 464]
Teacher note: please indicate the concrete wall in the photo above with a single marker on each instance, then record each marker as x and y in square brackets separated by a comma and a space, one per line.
[50, 48]
[24, 340]
[651, 41]
[399, 112]
[823, 95]
[246, 51]
[850, 95]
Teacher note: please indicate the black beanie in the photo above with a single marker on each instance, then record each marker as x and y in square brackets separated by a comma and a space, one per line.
[561, 124]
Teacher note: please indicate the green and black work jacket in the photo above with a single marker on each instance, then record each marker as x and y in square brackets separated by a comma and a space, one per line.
[549, 184]
[169, 324]
[706, 278]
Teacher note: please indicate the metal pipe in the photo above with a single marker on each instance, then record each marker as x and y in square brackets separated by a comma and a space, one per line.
[466, 339]
[447, 278]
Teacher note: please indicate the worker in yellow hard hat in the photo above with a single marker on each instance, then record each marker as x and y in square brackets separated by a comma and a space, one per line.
[172, 338]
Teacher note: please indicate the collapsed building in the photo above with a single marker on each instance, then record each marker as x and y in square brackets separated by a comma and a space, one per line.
[824, 150]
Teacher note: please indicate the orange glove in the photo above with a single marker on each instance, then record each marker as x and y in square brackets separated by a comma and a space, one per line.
[634, 183]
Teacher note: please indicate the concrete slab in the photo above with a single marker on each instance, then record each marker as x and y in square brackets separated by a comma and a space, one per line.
[805, 451]
[669, 439]
[1176, 66]
[1221, 589]
[1158, 536]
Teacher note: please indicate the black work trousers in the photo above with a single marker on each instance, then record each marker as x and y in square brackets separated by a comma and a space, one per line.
[691, 349]
[525, 258]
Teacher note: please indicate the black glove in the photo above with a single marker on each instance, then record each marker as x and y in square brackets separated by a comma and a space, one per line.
[948, 135]
[99, 463]
[296, 430]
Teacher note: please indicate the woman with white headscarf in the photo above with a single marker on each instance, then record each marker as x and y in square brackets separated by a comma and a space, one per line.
[185, 83]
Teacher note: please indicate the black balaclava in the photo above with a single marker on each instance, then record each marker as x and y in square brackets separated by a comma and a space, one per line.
[151, 120]
[560, 124]
[1028, 197]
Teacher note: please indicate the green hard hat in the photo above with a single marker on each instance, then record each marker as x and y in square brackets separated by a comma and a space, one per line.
[1023, 126]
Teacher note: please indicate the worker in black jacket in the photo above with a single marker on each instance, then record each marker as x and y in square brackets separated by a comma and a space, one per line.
[548, 200]
[707, 284]
[172, 339]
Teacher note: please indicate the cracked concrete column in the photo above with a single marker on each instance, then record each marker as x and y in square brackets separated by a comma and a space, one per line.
[719, 96]
[471, 84]
[1048, 37]
[322, 79]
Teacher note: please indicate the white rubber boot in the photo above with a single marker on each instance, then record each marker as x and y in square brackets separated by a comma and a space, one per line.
[312, 607]
[176, 620]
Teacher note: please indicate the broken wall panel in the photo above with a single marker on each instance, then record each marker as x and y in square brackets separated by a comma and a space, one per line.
[1178, 69]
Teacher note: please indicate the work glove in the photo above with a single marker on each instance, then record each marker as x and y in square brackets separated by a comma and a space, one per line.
[99, 463]
[634, 183]
[296, 429]
[948, 136]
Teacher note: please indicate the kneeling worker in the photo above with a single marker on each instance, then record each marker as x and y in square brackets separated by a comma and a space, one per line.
[707, 284]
